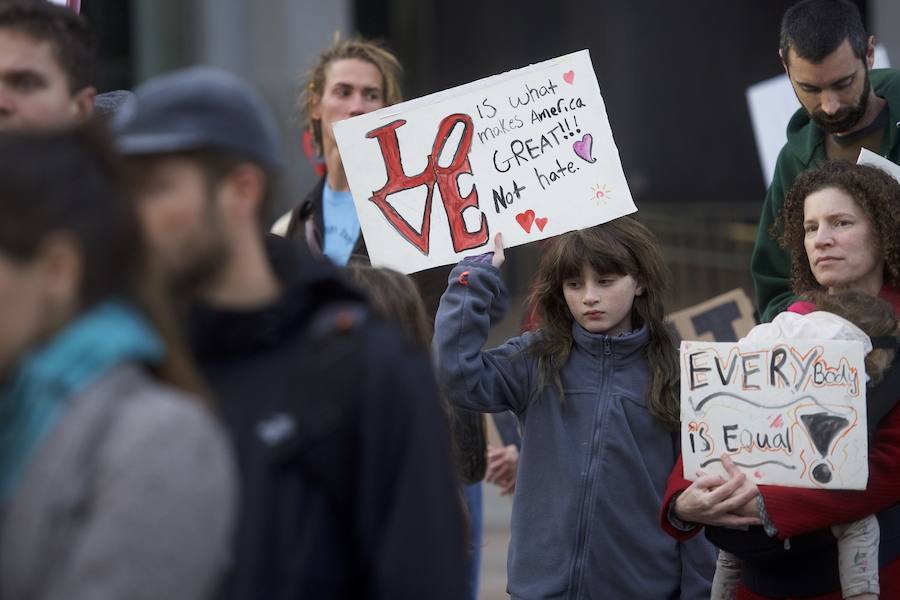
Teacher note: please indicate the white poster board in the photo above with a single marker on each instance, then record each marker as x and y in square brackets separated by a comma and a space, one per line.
[73, 4]
[789, 412]
[528, 153]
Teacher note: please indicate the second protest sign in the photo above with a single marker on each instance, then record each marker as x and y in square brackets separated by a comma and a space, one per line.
[788, 413]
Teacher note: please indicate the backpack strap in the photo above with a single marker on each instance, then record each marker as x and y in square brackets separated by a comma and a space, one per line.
[889, 542]
[327, 377]
[882, 398]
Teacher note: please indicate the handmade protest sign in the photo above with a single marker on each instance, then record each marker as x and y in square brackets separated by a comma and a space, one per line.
[789, 412]
[528, 153]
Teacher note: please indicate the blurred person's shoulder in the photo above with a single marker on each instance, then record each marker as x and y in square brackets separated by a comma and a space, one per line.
[339, 310]
[133, 409]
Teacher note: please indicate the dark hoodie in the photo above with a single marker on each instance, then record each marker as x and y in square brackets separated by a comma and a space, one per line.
[347, 482]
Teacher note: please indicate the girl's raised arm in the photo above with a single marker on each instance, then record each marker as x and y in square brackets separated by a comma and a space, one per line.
[483, 380]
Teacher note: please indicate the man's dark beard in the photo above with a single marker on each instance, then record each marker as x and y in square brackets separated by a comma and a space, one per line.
[195, 278]
[845, 119]
[202, 273]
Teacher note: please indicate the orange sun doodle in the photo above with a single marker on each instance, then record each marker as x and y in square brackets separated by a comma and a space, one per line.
[600, 192]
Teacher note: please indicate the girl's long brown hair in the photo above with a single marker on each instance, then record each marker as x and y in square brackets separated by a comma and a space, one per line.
[623, 247]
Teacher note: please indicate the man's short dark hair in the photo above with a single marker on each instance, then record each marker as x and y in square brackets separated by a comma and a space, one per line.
[74, 46]
[217, 164]
[816, 28]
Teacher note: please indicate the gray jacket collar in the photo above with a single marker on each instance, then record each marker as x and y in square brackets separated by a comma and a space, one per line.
[624, 346]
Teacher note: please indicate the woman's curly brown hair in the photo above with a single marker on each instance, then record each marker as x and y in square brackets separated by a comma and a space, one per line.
[876, 192]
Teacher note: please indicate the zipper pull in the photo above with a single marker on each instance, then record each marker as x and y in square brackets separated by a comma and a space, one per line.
[607, 347]
[787, 543]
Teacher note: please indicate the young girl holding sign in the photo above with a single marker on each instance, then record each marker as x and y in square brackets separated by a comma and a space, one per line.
[596, 393]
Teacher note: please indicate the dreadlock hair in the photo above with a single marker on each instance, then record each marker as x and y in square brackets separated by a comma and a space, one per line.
[359, 48]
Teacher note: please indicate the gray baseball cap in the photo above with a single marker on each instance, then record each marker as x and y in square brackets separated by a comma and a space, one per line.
[198, 108]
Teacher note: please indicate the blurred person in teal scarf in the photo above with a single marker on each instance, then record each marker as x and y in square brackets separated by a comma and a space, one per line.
[114, 482]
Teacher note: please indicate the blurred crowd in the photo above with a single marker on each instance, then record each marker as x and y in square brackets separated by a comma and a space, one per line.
[194, 404]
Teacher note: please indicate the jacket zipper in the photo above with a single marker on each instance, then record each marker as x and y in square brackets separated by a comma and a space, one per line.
[586, 496]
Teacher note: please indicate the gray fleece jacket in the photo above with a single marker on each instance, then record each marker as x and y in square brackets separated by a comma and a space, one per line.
[591, 473]
[131, 496]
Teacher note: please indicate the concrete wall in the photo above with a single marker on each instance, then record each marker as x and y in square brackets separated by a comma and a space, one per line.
[884, 23]
[270, 42]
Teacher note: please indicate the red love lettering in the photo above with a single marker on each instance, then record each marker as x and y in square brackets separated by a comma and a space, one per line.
[446, 179]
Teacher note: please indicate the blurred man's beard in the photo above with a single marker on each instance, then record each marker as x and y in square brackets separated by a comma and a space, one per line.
[201, 266]
[848, 118]
[203, 271]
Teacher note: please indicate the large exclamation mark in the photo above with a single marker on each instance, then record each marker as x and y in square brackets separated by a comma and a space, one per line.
[823, 428]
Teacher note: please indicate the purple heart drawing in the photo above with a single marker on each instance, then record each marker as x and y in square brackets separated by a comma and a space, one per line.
[583, 148]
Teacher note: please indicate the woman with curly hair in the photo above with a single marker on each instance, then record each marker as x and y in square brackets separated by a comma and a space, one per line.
[842, 229]
[841, 226]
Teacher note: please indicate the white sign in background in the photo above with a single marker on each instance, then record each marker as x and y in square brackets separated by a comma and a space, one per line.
[790, 412]
[528, 153]
[867, 157]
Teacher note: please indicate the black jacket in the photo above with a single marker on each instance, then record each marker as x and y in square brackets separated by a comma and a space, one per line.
[469, 442]
[348, 488]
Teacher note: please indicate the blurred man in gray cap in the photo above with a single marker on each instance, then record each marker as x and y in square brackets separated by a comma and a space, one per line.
[348, 485]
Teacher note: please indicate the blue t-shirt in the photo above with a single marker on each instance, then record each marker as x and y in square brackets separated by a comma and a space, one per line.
[341, 225]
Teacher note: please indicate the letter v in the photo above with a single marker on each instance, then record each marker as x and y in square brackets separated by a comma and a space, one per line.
[398, 181]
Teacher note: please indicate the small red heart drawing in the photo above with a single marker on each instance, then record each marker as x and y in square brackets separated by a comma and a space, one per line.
[541, 222]
[569, 76]
[525, 219]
